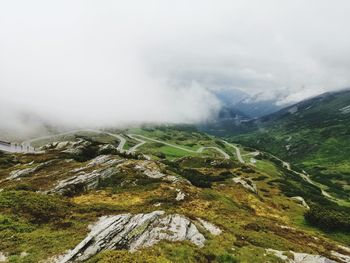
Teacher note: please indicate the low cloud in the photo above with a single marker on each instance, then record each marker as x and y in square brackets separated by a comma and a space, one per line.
[110, 63]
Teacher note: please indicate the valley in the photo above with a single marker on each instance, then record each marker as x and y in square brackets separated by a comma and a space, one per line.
[248, 206]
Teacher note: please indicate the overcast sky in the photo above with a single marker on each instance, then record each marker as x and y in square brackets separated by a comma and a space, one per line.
[112, 62]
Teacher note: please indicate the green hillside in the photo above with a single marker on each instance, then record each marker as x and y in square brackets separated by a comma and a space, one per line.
[314, 135]
[241, 211]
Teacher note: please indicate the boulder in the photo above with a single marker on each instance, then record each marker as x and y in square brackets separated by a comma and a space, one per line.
[300, 257]
[132, 232]
[84, 180]
[212, 229]
[180, 195]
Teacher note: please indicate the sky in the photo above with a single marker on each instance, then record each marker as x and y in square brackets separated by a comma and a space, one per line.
[97, 63]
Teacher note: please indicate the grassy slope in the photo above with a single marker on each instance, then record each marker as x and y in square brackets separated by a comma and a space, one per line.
[250, 222]
[316, 138]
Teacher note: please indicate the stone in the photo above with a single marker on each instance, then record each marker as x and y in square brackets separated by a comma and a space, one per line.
[133, 232]
[28, 171]
[300, 257]
[84, 180]
[180, 195]
[341, 257]
[149, 169]
[101, 159]
[211, 228]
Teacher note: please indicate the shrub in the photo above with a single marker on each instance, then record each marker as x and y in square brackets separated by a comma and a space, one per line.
[328, 218]
[38, 208]
[202, 180]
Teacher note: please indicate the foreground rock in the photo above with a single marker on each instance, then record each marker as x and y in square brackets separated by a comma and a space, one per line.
[300, 257]
[28, 171]
[133, 232]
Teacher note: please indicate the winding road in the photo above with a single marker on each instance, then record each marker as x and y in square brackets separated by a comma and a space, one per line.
[238, 152]
[122, 141]
[200, 150]
[26, 147]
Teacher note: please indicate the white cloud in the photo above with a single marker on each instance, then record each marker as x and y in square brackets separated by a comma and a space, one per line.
[117, 62]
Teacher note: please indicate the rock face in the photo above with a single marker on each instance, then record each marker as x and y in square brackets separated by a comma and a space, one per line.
[107, 148]
[300, 257]
[21, 173]
[246, 183]
[214, 230]
[149, 169]
[132, 232]
[152, 170]
[83, 180]
[28, 171]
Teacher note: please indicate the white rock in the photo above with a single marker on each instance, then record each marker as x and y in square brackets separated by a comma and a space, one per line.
[62, 145]
[214, 230]
[20, 173]
[133, 232]
[3, 258]
[300, 257]
[148, 171]
[341, 257]
[28, 171]
[180, 195]
[101, 159]
[87, 180]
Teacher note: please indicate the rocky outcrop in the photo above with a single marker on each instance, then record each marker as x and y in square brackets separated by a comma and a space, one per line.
[300, 201]
[152, 170]
[300, 257]
[212, 229]
[28, 171]
[246, 183]
[149, 169]
[21, 173]
[102, 160]
[84, 180]
[180, 195]
[341, 257]
[133, 232]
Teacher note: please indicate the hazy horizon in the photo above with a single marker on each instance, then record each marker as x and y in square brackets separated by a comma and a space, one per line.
[112, 63]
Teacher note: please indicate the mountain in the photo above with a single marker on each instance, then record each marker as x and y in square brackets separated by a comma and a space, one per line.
[161, 194]
[238, 109]
[313, 134]
[246, 105]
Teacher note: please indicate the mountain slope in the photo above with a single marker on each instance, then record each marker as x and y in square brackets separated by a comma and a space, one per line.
[313, 134]
[84, 200]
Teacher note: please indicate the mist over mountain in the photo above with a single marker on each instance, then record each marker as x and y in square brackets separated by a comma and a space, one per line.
[165, 131]
[88, 64]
